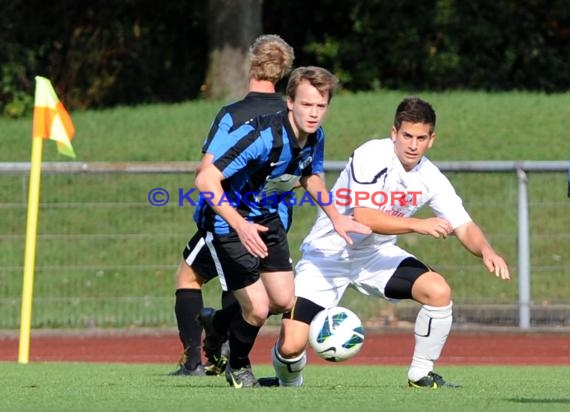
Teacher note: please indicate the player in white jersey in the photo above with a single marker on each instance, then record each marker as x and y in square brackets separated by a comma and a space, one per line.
[383, 184]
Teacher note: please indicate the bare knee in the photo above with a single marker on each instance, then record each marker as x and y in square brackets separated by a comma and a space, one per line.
[256, 317]
[432, 289]
[282, 305]
[280, 287]
[254, 303]
[255, 313]
[291, 349]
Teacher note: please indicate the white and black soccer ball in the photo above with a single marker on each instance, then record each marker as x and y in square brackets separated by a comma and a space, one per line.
[336, 334]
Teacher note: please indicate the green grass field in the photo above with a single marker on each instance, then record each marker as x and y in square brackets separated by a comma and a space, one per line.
[119, 387]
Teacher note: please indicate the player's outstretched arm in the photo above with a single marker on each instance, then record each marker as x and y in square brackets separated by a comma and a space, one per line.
[343, 225]
[385, 224]
[209, 183]
[472, 237]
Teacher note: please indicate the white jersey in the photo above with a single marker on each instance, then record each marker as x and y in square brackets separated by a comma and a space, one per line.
[375, 178]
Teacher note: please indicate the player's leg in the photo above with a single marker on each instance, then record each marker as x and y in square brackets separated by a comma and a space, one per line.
[230, 304]
[276, 269]
[414, 280]
[238, 272]
[319, 283]
[273, 290]
[432, 328]
[216, 324]
[188, 304]
[245, 275]
[196, 268]
[243, 331]
[289, 354]
[279, 286]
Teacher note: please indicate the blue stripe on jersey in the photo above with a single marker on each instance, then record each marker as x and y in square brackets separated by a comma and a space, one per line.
[250, 149]
[235, 114]
[221, 131]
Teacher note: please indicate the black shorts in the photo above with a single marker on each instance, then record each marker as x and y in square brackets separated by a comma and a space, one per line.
[304, 310]
[400, 284]
[198, 257]
[235, 266]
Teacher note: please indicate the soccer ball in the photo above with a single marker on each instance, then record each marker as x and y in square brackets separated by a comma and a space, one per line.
[336, 334]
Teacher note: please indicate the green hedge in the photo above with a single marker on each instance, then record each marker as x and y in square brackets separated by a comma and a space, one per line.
[107, 53]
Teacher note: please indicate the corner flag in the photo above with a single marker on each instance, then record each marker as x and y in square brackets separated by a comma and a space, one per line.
[51, 121]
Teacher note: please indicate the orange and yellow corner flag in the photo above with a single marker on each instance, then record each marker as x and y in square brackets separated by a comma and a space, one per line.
[51, 120]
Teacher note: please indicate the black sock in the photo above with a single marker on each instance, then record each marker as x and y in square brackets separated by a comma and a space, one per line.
[242, 338]
[223, 317]
[228, 299]
[188, 305]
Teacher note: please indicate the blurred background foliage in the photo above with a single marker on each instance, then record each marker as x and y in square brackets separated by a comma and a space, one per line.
[105, 53]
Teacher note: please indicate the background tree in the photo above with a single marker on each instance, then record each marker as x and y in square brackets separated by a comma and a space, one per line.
[232, 27]
[105, 53]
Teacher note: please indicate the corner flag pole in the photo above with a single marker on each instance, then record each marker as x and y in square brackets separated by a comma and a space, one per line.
[51, 121]
[30, 251]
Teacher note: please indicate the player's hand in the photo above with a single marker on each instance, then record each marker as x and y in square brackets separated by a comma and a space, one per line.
[249, 236]
[435, 227]
[497, 264]
[345, 224]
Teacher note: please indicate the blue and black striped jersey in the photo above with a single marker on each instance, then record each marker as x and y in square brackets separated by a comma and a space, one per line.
[232, 116]
[264, 162]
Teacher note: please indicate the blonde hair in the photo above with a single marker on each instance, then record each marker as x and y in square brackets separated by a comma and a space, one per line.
[271, 58]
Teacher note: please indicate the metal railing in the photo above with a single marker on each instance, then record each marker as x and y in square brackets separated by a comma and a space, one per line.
[520, 168]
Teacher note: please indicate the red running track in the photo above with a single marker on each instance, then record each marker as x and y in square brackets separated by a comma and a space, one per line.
[390, 348]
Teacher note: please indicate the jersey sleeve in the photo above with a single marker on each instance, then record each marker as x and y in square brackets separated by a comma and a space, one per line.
[366, 173]
[446, 204]
[219, 131]
[249, 146]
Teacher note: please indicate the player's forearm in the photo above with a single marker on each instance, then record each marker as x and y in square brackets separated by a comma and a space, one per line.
[473, 239]
[385, 224]
[315, 186]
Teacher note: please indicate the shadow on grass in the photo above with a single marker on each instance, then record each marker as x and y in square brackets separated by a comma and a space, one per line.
[549, 400]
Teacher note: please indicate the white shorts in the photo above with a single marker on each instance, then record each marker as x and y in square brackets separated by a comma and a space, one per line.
[323, 279]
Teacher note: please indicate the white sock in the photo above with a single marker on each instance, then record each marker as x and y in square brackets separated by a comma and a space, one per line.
[431, 330]
[289, 371]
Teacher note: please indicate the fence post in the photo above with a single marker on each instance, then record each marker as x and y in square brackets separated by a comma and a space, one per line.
[523, 251]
